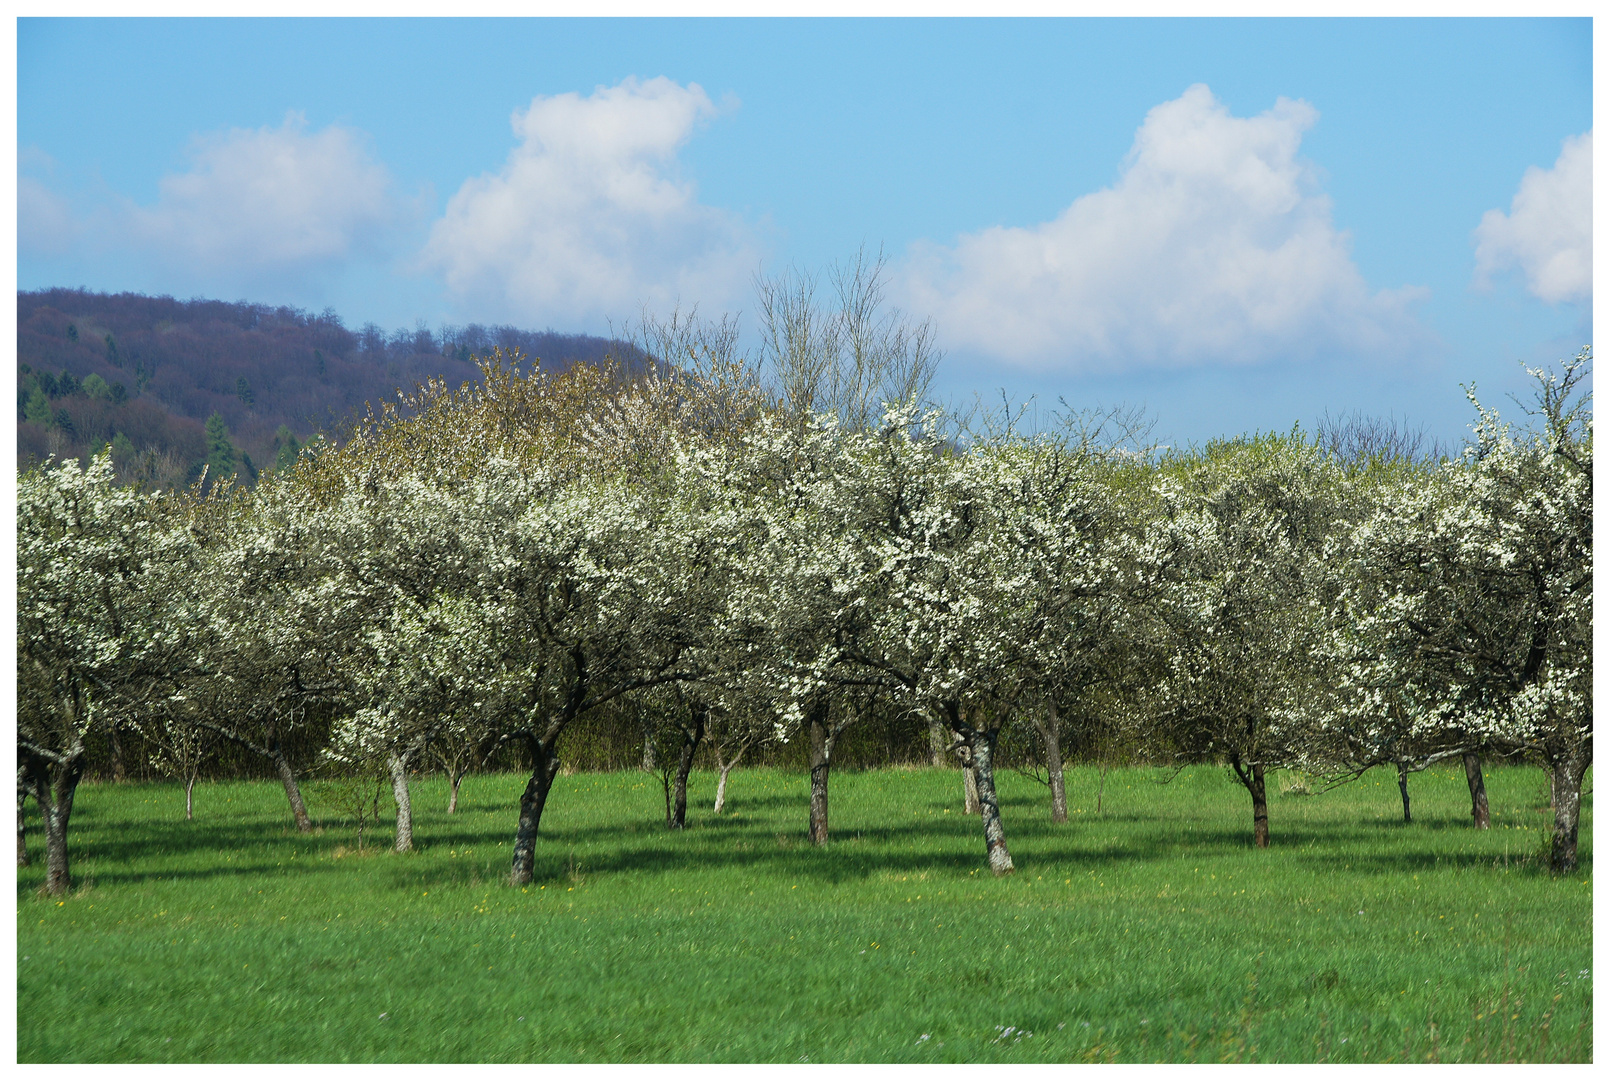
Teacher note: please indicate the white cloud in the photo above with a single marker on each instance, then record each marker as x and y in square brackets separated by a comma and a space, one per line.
[1214, 246]
[270, 200]
[45, 224]
[588, 218]
[1547, 232]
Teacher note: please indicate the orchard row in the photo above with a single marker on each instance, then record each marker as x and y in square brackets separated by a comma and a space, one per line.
[480, 568]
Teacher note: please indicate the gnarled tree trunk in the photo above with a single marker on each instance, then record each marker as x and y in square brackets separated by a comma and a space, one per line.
[399, 791]
[532, 800]
[1479, 810]
[994, 833]
[690, 741]
[55, 785]
[1252, 779]
[1567, 775]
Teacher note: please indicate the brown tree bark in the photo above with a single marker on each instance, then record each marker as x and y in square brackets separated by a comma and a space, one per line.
[690, 741]
[532, 800]
[994, 833]
[1567, 775]
[1402, 785]
[399, 791]
[821, 740]
[1479, 810]
[1252, 778]
[1050, 733]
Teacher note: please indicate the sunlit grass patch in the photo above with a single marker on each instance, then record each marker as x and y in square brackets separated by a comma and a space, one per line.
[1152, 931]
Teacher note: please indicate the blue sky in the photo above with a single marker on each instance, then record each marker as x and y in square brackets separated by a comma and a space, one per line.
[1238, 224]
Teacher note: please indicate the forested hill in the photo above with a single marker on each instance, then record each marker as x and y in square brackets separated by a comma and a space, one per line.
[147, 373]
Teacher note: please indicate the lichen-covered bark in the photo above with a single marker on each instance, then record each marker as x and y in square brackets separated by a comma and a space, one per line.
[994, 833]
[54, 787]
[1567, 776]
[532, 800]
[1479, 810]
[399, 792]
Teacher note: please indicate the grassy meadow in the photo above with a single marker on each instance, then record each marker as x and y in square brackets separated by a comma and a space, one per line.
[1151, 932]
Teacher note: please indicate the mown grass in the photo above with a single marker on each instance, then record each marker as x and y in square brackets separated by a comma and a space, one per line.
[1152, 932]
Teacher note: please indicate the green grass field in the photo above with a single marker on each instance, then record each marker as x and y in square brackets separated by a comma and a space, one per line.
[1154, 932]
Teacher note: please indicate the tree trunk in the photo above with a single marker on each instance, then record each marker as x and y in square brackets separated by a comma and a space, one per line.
[1252, 779]
[994, 834]
[1050, 731]
[969, 784]
[820, 765]
[532, 800]
[399, 791]
[1478, 808]
[1402, 785]
[1259, 807]
[55, 801]
[119, 772]
[650, 751]
[938, 741]
[287, 776]
[189, 801]
[720, 788]
[678, 810]
[726, 767]
[454, 778]
[22, 832]
[1567, 775]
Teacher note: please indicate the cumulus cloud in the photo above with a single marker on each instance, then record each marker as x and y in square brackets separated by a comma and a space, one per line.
[588, 218]
[1547, 232]
[1214, 246]
[45, 222]
[270, 200]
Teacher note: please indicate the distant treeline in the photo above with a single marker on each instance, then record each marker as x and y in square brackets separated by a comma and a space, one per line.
[145, 374]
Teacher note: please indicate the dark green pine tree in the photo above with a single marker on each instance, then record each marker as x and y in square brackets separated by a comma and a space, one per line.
[244, 392]
[222, 458]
